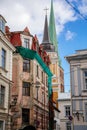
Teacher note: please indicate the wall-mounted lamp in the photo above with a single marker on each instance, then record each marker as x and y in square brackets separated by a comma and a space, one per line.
[77, 114]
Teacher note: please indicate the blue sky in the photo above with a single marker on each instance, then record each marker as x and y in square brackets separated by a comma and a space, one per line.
[71, 28]
[67, 47]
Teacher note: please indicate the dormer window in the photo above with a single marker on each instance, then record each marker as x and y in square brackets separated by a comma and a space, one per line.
[26, 43]
[2, 24]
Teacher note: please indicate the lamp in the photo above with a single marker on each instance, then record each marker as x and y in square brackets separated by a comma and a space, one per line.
[77, 114]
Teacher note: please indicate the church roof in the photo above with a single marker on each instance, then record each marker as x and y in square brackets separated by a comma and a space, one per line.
[52, 28]
[52, 31]
[46, 32]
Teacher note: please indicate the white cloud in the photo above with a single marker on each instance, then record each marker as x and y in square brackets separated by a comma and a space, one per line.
[69, 35]
[83, 7]
[20, 13]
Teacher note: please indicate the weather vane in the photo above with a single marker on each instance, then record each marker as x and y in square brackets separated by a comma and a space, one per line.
[46, 9]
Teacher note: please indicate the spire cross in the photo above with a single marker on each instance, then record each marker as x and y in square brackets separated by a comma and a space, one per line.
[46, 9]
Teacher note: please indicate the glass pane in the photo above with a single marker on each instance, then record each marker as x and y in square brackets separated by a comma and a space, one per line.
[86, 74]
[25, 115]
[26, 65]
[68, 126]
[2, 95]
[26, 43]
[3, 58]
[67, 109]
[26, 89]
[86, 112]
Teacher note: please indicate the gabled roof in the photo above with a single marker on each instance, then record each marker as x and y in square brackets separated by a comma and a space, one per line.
[15, 37]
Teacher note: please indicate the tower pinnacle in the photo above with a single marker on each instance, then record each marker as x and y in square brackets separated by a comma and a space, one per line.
[46, 9]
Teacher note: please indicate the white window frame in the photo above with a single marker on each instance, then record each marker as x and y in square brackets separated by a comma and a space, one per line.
[67, 110]
[27, 43]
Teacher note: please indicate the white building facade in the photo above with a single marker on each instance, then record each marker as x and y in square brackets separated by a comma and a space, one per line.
[6, 50]
[78, 75]
[64, 101]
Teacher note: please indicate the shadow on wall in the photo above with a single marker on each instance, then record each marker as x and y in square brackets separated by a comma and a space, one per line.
[30, 127]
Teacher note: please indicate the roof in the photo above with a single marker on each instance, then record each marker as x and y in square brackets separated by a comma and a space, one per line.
[79, 55]
[46, 33]
[64, 96]
[52, 31]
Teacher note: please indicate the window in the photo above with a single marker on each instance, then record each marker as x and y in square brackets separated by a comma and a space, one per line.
[37, 92]
[26, 89]
[37, 73]
[43, 97]
[86, 112]
[85, 73]
[3, 58]
[68, 126]
[53, 68]
[61, 88]
[2, 95]
[25, 116]
[26, 65]
[26, 43]
[67, 110]
[2, 26]
[1, 125]
[42, 76]
[46, 81]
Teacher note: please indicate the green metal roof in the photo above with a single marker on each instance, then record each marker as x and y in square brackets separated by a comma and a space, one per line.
[52, 31]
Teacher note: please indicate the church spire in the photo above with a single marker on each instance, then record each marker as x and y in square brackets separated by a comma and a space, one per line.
[46, 32]
[52, 30]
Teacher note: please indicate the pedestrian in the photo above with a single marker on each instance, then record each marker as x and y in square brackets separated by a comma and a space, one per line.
[29, 127]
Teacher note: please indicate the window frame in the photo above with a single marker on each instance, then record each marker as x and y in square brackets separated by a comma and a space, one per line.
[26, 88]
[2, 25]
[3, 58]
[37, 71]
[2, 95]
[26, 65]
[85, 79]
[86, 111]
[3, 122]
[67, 111]
[42, 75]
[46, 81]
[26, 43]
[25, 113]
[68, 126]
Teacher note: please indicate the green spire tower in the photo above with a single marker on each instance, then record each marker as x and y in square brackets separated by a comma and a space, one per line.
[52, 31]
